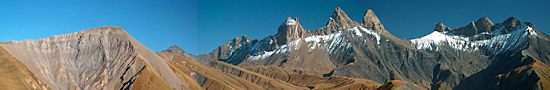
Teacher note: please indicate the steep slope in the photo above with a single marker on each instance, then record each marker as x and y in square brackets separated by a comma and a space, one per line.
[15, 76]
[532, 76]
[99, 58]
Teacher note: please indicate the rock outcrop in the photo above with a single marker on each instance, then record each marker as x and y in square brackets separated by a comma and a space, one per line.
[484, 24]
[371, 22]
[289, 31]
[441, 28]
[468, 30]
[338, 21]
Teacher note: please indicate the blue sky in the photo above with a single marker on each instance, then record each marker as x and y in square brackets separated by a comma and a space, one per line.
[201, 26]
[157, 25]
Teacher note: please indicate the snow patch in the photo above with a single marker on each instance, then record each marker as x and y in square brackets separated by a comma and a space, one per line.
[290, 22]
[370, 32]
[283, 49]
[335, 42]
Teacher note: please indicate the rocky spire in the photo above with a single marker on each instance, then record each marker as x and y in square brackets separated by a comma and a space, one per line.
[290, 30]
[341, 19]
[484, 24]
[511, 24]
[441, 28]
[370, 21]
[468, 30]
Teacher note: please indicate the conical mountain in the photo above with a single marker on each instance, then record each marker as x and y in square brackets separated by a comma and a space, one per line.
[99, 58]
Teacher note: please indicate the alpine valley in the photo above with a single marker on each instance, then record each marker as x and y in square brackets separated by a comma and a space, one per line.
[344, 54]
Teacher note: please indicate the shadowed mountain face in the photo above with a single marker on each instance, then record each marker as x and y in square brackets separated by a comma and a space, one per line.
[468, 57]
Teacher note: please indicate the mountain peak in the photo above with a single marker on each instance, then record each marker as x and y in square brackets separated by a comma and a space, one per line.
[174, 49]
[370, 18]
[112, 27]
[484, 19]
[341, 19]
[512, 21]
[484, 24]
[468, 30]
[290, 30]
[289, 21]
[441, 28]
[371, 21]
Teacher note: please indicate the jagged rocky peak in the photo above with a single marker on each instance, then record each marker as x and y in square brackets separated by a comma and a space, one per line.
[510, 24]
[484, 24]
[289, 21]
[340, 19]
[441, 28]
[240, 38]
[290, 30]
[370, 21]
[468, 30]
[512, 21]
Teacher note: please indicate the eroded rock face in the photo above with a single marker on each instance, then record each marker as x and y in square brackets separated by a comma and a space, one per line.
[441, 28]
[484, 24]
[337, 22]
[467, 30]
[370, 21]
[289, 31]
[99, 58]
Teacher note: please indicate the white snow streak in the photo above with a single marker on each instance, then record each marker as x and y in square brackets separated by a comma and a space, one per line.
[497, 44]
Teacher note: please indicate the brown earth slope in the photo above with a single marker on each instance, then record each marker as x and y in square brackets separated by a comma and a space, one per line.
[15, 76]
[220, 75]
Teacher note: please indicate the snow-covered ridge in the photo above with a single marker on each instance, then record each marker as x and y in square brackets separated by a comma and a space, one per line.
[499, 43]
[335, 42]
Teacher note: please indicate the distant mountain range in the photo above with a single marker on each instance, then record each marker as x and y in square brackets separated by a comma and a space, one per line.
[344, 54]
